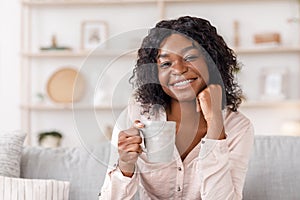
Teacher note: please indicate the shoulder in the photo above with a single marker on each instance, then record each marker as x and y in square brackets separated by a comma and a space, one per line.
[236, 119]
[237, 125]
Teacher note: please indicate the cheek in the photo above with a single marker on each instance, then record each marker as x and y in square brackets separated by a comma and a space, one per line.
[202, 70]
[205, 75]
[163, 77]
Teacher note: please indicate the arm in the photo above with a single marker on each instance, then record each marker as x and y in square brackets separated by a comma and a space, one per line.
[117, 185]
[223, 165]
[223, 160]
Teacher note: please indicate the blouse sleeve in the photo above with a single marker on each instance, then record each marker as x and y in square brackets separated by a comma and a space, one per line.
[116, 185]
[224, 163]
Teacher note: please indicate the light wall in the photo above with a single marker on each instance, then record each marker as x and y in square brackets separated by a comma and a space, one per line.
[9, 65]
[10, 47]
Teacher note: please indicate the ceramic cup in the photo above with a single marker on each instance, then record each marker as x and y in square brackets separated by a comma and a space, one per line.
[159, 140]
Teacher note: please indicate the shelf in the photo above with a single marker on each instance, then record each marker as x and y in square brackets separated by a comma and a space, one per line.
[114, 2]
[82, 2]
[79, 54]
[265, 50]
[65, 107]
[270, 104]
[215, 1]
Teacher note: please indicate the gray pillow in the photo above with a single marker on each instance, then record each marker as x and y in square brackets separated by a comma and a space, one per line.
[11, 146]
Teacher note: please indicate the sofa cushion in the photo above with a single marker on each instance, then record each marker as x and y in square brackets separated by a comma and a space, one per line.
[274, 169]
[11, 145]
[28, 189]
[84, 168]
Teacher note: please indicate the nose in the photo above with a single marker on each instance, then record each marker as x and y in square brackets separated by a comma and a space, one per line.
[179, 67]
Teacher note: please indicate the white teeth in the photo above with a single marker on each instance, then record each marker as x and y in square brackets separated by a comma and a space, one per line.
[181, 83]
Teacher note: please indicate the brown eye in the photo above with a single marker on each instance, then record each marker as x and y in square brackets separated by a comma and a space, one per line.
[165, 64]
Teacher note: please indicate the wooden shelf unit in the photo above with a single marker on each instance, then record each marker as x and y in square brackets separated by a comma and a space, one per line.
[108, 2]
[103, 53]
[268, 50]
[161, 6]
[83, 3]
[70, 107]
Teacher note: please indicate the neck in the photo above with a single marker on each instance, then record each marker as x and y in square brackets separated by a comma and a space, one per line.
[180, 110]
[191, 126]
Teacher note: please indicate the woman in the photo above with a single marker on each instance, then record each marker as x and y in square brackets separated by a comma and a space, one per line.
[184, 73]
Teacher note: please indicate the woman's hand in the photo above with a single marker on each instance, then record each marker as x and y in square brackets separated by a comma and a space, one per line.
[209, 102]
[129, 148]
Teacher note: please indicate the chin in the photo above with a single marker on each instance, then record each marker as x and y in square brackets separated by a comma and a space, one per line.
[184, 96]
[186, 99]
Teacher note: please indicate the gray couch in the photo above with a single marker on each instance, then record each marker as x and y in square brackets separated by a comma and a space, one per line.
[274, 168]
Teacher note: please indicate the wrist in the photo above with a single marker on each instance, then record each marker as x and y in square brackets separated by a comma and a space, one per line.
[216, 134]
[127, 169]
[215, 121]
[215, 128]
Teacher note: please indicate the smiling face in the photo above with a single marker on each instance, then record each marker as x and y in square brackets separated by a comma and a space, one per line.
[182, 70]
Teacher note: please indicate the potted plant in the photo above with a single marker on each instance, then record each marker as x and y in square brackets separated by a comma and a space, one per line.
[50, 139]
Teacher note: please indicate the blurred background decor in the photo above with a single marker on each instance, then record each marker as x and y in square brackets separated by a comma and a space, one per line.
[93, 33]
[25, 68]
[291, 127]
[271, 38]
[54, 46]
[50, 139]
[61, 85]
[274, 83]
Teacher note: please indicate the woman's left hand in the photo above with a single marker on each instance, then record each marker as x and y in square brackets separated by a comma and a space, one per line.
[209, 102]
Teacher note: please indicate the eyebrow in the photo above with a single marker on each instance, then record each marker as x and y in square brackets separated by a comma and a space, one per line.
[188, 48]
[164, 55]
[184, 50]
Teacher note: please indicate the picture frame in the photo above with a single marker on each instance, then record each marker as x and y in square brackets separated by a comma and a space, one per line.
[274, 83]
[93, 33]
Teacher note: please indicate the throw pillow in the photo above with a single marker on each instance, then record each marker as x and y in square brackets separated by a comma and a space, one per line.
[11, 146]
[29, 189]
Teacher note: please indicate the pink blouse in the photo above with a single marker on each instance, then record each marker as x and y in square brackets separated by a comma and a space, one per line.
[213, 170]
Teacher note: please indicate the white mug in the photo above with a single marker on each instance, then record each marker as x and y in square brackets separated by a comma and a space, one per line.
[159, 140]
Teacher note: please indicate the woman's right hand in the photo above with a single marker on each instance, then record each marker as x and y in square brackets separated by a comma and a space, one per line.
[129, 148]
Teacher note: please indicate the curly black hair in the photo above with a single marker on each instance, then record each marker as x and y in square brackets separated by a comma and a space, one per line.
[145, 74]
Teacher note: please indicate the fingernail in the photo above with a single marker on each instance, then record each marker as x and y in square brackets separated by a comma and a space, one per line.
[138, 124]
